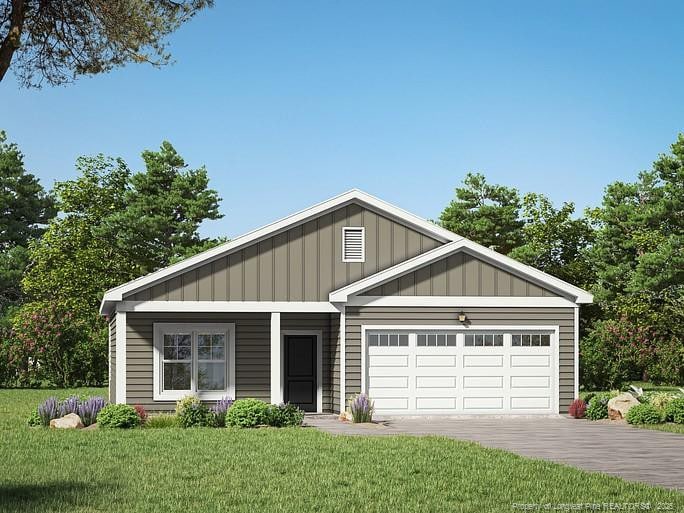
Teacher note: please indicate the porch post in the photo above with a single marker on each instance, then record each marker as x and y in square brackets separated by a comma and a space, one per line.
[276, 392]
[343, 360]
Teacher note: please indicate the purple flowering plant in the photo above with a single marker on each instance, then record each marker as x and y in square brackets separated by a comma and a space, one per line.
[361, 408]
[220, 409]
[89, 409]
[48, 410]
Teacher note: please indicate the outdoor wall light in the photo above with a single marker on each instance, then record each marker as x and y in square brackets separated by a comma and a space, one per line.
[462, 317]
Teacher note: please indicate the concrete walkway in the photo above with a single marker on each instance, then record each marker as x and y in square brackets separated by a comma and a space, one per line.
[634, 454]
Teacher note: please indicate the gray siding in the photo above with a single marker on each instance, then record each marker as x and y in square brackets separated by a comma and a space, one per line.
[303, 263]
[563, 317]
[460, 274]
[112, 359]
[252, 352]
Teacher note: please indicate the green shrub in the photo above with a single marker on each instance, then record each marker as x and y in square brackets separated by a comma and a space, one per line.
[161, 421]
[674, 411]
[249, 413]
[34, 419]
[118, 416]
[290, 415]
[598, 407]
[660, 399]
[191, 412]
[644, 414]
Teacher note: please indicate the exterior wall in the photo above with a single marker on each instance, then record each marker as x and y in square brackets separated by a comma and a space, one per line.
[303, 263]
[252, 352]
[335, 362]
[563, 317]
[460, 274]
[112, 360]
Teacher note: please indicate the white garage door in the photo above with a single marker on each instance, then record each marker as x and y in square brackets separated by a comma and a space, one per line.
[457, 371]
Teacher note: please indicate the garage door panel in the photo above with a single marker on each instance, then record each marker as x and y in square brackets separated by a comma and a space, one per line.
[436, 382]
[391, 403]
[528, 381]
[483, 403]
[436, 403]
[391, 381]
[386, 360]
[530, 360]
[483, 360]
[423, 360]
[530, 403]
[483, 382]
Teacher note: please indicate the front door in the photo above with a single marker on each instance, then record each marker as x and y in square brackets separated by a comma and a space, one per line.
[300, 371]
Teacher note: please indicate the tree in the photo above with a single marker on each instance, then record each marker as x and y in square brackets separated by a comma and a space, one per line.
[165, 205]
[554, 241]
[24, 210]
[56, 42]
[485, 213]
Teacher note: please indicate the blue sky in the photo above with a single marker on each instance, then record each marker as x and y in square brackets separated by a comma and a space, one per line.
[289, 103]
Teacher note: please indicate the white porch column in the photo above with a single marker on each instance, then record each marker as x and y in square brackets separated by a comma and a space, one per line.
[121, 357]
[276, 365]
[343, 360]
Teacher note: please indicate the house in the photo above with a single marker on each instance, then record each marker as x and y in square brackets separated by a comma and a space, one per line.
[350, 295]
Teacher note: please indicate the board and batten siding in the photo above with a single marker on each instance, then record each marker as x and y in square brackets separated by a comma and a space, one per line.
[562, 317]
[303, 263]
[252, 352]
[112, 360]
[460, 274]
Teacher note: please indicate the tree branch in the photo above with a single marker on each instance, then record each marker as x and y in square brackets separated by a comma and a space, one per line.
[12, 40]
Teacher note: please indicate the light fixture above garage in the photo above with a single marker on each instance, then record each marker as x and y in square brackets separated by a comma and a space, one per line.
[462, 317]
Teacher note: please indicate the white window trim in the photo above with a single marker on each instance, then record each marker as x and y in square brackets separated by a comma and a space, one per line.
[345, 229]
[319, 363]
[553, 328]
[209, 395]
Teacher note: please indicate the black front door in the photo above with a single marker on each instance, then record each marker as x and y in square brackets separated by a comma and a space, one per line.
[300, 371]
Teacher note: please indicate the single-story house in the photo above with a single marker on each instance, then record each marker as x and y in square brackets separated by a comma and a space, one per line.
[350, 295]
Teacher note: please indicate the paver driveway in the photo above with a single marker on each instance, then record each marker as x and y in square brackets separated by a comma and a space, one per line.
[653, 457]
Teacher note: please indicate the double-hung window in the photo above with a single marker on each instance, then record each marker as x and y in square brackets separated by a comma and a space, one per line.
[194, 358]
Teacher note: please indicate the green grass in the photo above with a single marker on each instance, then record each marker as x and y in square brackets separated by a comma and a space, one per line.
[669, 427]
[298, 470]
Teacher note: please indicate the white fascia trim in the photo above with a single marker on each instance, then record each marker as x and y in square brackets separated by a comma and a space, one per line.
[462, 244]
[121, 357]
[226, 306]
[422, 225]
[461, 301]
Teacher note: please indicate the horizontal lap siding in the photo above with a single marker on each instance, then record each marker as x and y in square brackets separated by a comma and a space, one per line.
[460, 274]
[252, 355]
[335, 361]
[112, 359]
[562, 317]
[323, 323]
[303, 263]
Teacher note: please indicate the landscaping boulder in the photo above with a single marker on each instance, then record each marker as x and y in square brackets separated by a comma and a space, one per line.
[91, 427]
[70, 421]
[620, 405]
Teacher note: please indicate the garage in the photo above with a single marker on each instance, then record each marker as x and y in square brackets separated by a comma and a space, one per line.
[456, 370]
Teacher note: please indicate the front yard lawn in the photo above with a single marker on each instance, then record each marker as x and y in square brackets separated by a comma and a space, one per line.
[276, 470]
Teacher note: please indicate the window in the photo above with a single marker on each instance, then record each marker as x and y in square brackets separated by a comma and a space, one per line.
[436, 340]
[194, 359]
[388, 340]
[353, 244]
[531, 340]
[483, 340]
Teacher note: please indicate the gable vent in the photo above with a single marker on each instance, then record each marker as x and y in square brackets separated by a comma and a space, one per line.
[353, 244]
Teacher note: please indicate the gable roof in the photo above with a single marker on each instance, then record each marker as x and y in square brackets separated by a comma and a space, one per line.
[353, 196]
[576, 294]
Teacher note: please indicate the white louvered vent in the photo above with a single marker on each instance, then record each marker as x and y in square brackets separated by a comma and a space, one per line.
[353, 244]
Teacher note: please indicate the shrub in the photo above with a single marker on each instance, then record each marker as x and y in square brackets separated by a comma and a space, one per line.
[598, 408]
[660, 399]
[89, 409]
[48, 410]
[644, 414]
[674, 411]
[219, 410]
[186, 402]
[577, 409]
[34, 419]
[118, 416]
[587, 396]
[290, 415]
[162, 420]
[195, 415]
[142, 414]
[361, 408]
[248, 413]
